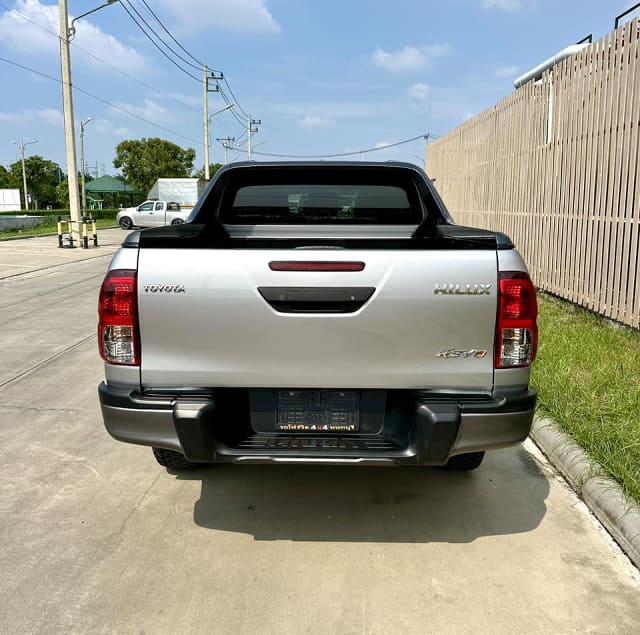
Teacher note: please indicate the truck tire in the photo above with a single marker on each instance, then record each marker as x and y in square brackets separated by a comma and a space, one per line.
[465, 462]
[172, 460]
[125, 222]
[177, 221]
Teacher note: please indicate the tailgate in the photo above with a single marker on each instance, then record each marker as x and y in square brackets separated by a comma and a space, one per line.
[216, 317]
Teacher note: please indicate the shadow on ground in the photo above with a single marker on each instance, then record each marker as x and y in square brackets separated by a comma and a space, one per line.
[413, 505]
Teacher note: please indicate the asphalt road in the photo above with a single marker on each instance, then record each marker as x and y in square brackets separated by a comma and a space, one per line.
[95, 537]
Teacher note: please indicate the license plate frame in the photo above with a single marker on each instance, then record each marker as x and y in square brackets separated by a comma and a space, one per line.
[317, 411]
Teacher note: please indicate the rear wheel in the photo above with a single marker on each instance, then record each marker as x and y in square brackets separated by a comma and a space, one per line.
[465, 462]
[125, 222]
[172, 460]
[177, 221]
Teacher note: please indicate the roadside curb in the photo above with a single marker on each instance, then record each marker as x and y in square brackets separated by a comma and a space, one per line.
[7, 238]
[602, 494]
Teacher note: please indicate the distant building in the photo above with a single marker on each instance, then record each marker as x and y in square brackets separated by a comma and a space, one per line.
[10, 201]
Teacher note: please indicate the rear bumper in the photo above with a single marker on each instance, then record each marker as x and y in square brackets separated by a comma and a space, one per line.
[422, 429]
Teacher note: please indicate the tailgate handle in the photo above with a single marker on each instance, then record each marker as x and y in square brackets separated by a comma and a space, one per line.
[316, 299]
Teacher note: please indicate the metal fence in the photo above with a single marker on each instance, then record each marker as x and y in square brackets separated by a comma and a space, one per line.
[556, 166]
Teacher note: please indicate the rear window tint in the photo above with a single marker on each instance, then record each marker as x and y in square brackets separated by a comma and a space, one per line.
[331, 204]
[320, 196]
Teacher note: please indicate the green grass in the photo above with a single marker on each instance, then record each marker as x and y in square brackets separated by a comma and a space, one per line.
[50, 225]
[588, 378]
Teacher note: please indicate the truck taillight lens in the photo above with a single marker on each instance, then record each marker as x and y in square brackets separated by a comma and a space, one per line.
[517, 330]
[118, 333]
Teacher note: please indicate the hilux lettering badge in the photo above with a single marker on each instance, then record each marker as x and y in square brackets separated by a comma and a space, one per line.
[164, 288]
[462, 289]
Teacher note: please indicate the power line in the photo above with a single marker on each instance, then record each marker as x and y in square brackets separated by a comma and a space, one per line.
[99, 59]
[170, 34]
[192, 65]
[168, 46]
[123, 4]
[228, 101]
[342, 154]
[235, 99]
[101, 99]
[195, 59]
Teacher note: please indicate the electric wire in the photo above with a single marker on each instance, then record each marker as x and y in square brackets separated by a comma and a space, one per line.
[151, 11]
[341, 154]
[228, 101]
[123, 4]
[235, 99]
[168, 46]
[99, 59]
[100, 99]
[200, 64]
[195, 59]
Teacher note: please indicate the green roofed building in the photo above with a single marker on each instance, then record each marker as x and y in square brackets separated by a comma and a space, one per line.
[108, 191]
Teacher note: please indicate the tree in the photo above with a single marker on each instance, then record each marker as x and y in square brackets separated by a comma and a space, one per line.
[43, 177]
[144, 161]
[4, 177]
[213, 168]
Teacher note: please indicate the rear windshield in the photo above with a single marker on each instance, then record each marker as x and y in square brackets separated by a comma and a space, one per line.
[334, 197]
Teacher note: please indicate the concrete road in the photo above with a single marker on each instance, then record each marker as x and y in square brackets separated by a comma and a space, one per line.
[95, 537]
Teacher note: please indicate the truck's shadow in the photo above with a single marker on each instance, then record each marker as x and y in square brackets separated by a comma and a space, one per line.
[505, 496]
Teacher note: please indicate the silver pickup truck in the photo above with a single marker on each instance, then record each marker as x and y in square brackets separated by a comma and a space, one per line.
[318, 313]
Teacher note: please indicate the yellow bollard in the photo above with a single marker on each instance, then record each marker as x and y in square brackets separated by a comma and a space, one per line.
[60, 232]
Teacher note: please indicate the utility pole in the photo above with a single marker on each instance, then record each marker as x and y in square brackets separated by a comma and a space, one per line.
[205, 118]
[205, 112]
[250, 130]
[67, 33]
[82, 165]
[69, 131]
[226, 142]
[22, 146]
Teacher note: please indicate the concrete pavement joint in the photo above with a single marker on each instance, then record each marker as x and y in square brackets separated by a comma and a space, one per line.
[44, 362]
[602, 494]
[61, 264]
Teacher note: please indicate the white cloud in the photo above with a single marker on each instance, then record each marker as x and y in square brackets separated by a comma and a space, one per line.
[504, 5]
[106, 127]
[192, 16]
[409, 58]
[20, 35]
[314, 121]
[506, 71]
[150, 110]
[50, 116]
[419, 91]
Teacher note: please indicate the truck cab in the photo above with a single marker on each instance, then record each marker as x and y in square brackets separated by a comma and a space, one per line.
[152, 213]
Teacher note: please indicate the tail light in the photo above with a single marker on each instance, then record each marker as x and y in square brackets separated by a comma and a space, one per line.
[517, 330]
[118, 333]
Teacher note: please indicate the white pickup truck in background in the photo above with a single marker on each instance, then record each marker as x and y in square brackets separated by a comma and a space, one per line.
[152, 214]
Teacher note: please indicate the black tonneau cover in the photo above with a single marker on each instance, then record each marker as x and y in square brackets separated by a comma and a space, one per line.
[204, 229]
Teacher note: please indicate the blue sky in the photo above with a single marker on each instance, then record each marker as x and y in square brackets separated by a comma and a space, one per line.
[323, 76]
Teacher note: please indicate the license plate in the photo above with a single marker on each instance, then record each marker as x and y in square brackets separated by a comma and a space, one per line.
[318, 411]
